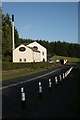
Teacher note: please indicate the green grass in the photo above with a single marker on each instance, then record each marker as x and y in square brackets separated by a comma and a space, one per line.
[70, 59]
[22, 69]
[13, 66]
[15, 74]
[8, 74]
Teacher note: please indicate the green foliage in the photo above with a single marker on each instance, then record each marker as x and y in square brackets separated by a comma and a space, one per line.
[11, 66]
[6, 35]
[58, 48]
[70, 59]
[16, 37]
[0, 33]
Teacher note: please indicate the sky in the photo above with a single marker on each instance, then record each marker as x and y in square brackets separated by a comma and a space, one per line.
[52, 21]
[40, 0]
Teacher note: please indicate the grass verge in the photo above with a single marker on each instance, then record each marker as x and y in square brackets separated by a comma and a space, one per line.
[8, 74]
[70, 59]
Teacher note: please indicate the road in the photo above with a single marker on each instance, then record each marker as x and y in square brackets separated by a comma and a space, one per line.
[61, 102]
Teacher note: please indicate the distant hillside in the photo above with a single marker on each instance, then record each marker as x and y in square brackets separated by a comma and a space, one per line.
[70, 59]
[58, 48]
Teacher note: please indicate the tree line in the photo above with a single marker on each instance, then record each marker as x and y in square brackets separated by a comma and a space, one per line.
[53, 48]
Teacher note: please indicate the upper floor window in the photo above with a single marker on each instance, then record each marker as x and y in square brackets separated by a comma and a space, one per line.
[42, 53]
[35, 47]
[22, 49]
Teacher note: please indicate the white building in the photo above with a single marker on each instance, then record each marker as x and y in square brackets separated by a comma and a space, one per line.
[32, 52]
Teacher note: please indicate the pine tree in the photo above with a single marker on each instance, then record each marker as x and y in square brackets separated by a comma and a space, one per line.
[6, 36]
[0, 33]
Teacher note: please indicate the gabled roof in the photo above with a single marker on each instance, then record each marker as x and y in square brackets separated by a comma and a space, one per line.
[33, 49]
[37, 44]
[25, 45]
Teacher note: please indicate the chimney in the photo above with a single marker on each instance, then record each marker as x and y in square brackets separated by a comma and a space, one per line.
[13, 46]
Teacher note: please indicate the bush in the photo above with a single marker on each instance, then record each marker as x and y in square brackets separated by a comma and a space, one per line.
[11, 66]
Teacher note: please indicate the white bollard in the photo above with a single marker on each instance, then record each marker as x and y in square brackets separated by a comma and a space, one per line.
[60, 78]
[40, 90]
[23, 100]
[23, 96]
[56, 80]
[50, 84]
[66, 74]
[63, 76]
[22, 90]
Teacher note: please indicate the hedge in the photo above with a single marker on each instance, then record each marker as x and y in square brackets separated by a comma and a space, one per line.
[11, 66]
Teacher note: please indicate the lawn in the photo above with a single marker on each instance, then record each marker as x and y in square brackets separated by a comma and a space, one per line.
[12, 70]
[13, 73]
[70, 59]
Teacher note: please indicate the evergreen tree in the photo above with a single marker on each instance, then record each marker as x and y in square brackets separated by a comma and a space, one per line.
[0, 32]
[6, 36]
[16, 38]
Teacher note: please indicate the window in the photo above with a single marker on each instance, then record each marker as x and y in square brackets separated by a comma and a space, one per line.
[43, 60]
[35, 47]
[42, 53]
[24, 59]
[22, 49]
[20, 60]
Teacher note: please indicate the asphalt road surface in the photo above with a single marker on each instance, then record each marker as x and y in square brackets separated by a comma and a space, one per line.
[61, 102]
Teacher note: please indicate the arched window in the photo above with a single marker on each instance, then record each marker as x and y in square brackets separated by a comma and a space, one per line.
[35, 47]
[22, 49]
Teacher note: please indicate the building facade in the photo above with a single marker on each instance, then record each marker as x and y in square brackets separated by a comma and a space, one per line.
[33, 52]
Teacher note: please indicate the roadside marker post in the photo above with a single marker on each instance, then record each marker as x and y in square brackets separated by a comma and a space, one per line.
[23, 98]
[60, 78]
[66, 74]
[40, 90]
[63, 76]
[22, 89]
[50, 85]
[56, 81]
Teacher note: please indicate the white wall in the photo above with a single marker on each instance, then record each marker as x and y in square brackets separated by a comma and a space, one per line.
[37, 56]
[41, 49]
[27, 54]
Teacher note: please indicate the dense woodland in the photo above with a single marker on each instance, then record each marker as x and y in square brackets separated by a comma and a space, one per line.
[53, 48]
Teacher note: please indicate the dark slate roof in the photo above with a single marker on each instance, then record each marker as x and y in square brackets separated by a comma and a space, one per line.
[33, 49]
[25, 44]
